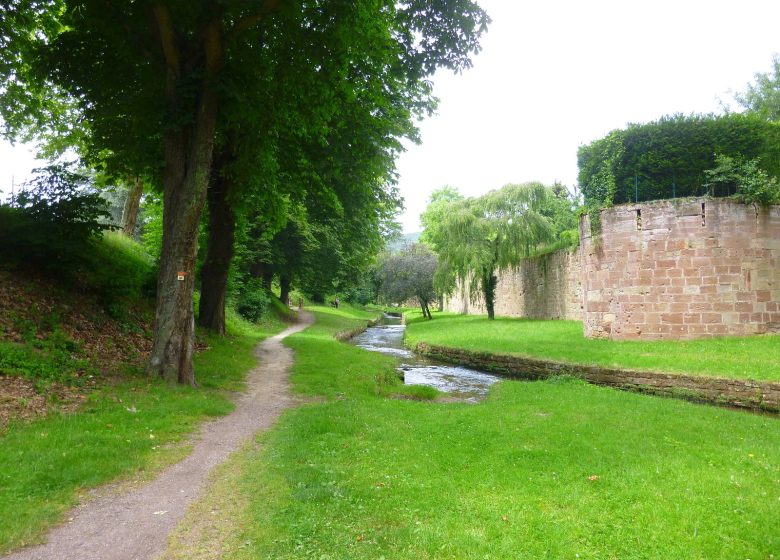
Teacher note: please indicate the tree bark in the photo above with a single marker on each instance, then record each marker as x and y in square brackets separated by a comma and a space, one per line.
[132, 204]
[219, 253]
[188, 151]
[284, 288]
[489, 281]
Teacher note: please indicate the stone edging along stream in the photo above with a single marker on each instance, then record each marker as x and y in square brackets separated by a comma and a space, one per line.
[343, 336]
[756, 395]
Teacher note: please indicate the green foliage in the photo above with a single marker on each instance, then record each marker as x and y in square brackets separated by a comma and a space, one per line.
[253, 302]
[435, 214]
[497, 230]
[47, 360]
[408, 274]
[751, 183]
[363, 290]
[151, 225]
[668, 158]
[763, 96]
[53, 223]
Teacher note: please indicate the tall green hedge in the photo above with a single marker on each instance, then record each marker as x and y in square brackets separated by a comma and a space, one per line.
[667, 158]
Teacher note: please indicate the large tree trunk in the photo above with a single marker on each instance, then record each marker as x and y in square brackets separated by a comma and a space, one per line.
[216, 266]
[132, 204]
[188, 150]
[284, 288]
[489, 281]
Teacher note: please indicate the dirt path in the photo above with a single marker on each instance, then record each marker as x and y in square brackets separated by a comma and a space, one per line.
[136, 524]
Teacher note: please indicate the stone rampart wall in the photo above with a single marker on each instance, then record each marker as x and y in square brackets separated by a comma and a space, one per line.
[546, 287]
[682, 269]
[672, 269]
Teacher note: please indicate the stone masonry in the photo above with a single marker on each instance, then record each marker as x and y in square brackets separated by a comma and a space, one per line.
[672, 269]
[682, 269]
[546, 287]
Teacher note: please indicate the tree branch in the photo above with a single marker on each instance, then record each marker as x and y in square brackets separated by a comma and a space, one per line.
[247, 22]
[167, 36]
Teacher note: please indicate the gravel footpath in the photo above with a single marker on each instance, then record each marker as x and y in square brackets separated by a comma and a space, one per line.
[136, 524]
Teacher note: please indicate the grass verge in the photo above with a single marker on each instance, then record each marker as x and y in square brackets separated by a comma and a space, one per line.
[756, 357]
[552, 469]
[129, 429]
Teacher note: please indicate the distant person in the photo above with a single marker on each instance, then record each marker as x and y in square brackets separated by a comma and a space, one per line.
[337, 303]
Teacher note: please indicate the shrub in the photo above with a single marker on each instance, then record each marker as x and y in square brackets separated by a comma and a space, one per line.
[751, 184]
[53, 223]
[253, 301]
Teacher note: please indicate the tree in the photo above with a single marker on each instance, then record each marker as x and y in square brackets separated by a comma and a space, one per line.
[409, 274]
[763, 96]
[667, 158]
[751, 184]
[182, 66]
[480, 236]
[432, 220]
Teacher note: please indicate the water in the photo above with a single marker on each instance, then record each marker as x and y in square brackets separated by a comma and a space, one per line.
[387, 338]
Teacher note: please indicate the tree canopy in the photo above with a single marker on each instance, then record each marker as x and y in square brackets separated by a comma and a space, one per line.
[308, 97]
[479, 236]
[408, 274]
[763, 96]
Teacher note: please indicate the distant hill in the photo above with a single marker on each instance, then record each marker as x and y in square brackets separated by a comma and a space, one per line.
[402, 241]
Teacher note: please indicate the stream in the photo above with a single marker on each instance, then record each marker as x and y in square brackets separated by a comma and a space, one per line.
[387, 338]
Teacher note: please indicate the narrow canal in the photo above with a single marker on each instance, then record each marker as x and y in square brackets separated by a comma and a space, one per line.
[387, 338]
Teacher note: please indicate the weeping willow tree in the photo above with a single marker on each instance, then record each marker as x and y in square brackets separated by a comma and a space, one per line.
[480, 236]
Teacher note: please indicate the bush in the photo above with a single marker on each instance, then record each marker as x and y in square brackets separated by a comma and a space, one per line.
[53, 223]
[56, 226]
[751, 184]
[253, 301]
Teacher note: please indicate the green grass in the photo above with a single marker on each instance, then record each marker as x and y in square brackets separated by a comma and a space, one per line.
[756, 357]
[125, 430]
[553, 469]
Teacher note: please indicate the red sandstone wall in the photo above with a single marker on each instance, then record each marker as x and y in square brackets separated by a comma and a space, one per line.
[682, 269]
[546, 287]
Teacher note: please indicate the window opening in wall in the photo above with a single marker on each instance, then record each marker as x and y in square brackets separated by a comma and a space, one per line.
[703, 216]
[638, 219]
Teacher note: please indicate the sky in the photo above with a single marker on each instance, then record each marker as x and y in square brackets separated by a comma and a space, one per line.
[556, 74]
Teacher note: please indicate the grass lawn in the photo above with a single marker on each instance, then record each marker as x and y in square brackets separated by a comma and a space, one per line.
[553, 469]
[128, 430]
[755, 357]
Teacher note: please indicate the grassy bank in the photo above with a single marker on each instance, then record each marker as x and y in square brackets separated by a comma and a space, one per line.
[128, 430]
[563, 341]
[554, 469]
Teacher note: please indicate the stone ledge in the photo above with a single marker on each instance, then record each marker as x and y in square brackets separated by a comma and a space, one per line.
[749, 394]
[343, 336]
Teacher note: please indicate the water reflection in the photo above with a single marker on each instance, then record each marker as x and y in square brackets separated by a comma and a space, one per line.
[387, 338]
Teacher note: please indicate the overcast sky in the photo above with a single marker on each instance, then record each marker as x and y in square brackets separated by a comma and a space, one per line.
[553, 75]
